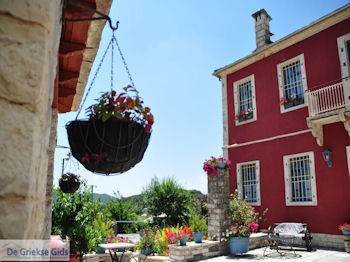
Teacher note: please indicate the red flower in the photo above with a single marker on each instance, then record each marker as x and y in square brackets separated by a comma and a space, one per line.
[86, 158]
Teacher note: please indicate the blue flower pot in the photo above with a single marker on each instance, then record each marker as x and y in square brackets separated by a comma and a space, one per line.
[101, 250]
[183, 241]
[221, 165]
[198, 236]
[346, 232]
[146, 252]
[239, 245]
[121, 249]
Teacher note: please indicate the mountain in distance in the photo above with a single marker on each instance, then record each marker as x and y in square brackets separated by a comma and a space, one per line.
[137, 199]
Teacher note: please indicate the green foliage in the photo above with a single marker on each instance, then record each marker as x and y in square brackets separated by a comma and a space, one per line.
[148, 240]
[73, 215]
[122, 106]
[199, 224]
[119, 209]
[104, 225]
[169, 198]
[242, 212]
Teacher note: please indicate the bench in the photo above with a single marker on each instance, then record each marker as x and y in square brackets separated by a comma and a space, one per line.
[299, 232]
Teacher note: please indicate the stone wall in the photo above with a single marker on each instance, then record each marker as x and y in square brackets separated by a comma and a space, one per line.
[218, 204]
[30, 33]
[327, 241]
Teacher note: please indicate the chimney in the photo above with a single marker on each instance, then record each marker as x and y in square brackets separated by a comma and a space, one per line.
[262, 29]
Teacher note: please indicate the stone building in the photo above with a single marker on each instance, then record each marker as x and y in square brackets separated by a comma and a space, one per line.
[44, 66]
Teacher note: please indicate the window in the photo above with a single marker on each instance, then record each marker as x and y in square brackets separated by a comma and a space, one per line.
[248, 182]
[244, 96]
[344, 54]
[292, 83]
[299, 176]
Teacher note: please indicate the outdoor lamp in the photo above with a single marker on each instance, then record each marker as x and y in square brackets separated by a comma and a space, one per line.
[327, 157]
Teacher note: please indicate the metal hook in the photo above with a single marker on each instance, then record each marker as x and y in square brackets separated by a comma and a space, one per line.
[102, 15]
[110, 24]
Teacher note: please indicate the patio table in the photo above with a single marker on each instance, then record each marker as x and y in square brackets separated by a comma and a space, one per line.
[113, 249]
[276, 241]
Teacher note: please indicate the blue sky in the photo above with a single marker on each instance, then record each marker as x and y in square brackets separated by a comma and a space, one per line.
[172, 49]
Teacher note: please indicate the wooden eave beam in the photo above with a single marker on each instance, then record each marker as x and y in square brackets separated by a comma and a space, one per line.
[71, 49]
[67, 77]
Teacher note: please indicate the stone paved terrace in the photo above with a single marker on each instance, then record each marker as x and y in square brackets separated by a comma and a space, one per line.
[317, 255]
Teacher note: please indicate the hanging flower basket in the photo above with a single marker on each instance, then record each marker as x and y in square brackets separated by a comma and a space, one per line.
[108, 147]
[116, 135]
[69, 183]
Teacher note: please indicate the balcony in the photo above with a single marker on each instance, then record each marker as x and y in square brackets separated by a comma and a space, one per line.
[328, 105]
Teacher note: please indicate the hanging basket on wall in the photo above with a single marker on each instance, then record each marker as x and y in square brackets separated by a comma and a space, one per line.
[69, 183]
[116, 135]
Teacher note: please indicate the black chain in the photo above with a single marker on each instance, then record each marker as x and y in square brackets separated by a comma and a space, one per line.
[111, 43]
[125, 65]
[112, 62]
[94, 78]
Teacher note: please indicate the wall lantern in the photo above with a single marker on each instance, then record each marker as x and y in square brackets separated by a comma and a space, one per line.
[327, 157]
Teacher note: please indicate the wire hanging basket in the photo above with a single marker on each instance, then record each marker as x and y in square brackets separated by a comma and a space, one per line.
[69, 183]
[116, 136]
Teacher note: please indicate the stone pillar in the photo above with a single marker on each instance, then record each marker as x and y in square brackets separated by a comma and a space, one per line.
[218, 204]
[51, 153]
[30, 34]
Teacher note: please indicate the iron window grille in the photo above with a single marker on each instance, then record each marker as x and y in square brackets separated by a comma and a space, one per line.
[300, 179]
[248, 180]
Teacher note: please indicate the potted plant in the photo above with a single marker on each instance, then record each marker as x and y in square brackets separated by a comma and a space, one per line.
[116, 135]
[244, 222]
[345, 228]
[291, 101]
[244, 115]
[211, 166]
[147, 244]
[238, 235]
[69, 183]
[198, 226]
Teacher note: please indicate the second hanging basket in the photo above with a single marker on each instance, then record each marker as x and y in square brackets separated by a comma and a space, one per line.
[108, 147]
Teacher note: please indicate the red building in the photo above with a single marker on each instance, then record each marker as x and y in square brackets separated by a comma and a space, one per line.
[285, 107]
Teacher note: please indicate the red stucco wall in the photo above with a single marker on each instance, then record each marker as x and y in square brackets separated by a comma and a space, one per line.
[333, 184]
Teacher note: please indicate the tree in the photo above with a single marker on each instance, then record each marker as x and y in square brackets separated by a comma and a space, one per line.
[73, 215]
[119, 209]
[169, 198]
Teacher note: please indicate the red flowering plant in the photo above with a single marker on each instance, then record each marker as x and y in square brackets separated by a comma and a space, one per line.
[244, 115]
[244, 219]
[240, 230]
[210, 166]
[286, 101]
[345, 226]
[123, 106]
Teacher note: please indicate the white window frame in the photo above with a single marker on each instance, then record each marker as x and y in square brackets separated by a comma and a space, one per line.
[288, 185]
[348, 157]
[343, 55]
[257, 177]
[281, 82]
[236, 99]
